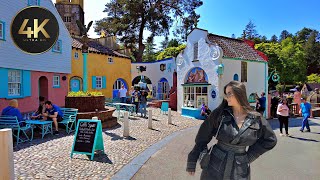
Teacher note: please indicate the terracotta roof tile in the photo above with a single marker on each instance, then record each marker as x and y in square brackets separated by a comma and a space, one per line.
[235, 48]
[96, 47]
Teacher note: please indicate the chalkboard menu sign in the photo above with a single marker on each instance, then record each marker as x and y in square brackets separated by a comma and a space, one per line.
[85, 136]
[88, 137]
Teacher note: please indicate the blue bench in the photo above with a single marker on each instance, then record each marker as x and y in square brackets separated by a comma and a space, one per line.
[69, 117]
[13, 123]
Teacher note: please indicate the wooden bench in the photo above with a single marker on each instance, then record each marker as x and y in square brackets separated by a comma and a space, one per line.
[13, 123]
[69, 116]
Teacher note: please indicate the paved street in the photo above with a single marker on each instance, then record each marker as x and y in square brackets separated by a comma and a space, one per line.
[296, 157]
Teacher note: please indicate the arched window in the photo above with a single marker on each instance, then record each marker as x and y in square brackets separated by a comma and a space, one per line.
[236, 77]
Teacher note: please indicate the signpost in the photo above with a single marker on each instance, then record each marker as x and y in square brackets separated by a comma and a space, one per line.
[88, 137]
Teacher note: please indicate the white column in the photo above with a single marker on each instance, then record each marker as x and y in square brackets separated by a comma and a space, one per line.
[126, 124]
[150, 119]
[95, 118]
[169, 116]
[6, 154]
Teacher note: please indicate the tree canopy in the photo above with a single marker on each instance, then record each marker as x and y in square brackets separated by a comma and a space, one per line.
[130, 19]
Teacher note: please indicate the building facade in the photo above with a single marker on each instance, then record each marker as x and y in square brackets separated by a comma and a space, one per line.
[26, 77]
[107, 69]
[158, 75]
[208, 63]
[71, 11]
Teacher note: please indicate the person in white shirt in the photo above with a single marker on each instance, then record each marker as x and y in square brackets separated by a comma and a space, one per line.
[123, 94]
[283, 116]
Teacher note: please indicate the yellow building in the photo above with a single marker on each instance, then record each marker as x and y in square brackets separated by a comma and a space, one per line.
[107, 70]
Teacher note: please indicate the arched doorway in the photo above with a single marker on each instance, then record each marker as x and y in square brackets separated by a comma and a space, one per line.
[163, 89]
[75, 84]
[117, 85]
[145, 79]
[43, 87]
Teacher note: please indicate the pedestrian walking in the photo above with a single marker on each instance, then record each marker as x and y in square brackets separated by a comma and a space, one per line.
[283, 116]
[236, 126]
[305, 111]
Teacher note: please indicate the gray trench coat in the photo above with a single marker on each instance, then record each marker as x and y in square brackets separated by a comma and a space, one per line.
[236, 147]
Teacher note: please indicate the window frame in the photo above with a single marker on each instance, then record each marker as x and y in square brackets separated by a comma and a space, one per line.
[196, 51]
[76, 55]
[118, 85]
[55, 80]
[190, 91]
[55, 45]
[99, 79]
[244, 71]
[29, 3]
[15, 82]
[110, 58]
[3, 30]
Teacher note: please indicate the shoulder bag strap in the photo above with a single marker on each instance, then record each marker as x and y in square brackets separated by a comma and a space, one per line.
[218, 130]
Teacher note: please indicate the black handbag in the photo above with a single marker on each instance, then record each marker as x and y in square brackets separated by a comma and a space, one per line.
[204, 157]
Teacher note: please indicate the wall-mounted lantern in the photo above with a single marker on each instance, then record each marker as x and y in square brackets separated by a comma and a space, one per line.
[220, 69]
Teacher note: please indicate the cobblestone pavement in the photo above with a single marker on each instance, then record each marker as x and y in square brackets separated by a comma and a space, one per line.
[50, 158]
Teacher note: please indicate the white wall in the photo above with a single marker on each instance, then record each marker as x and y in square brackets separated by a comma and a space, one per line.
[205, 62]
[12, 57]
[153, 71]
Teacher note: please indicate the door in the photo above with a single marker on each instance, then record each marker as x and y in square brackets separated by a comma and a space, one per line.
[43, 87]
[75, 85]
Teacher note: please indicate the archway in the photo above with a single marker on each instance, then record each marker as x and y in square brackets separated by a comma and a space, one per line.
[75, 84]
[235, 77]
[43, 87]
[117, 85]
[136, 80]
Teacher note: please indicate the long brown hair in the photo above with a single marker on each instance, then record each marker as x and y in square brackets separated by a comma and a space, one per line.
[240, 93]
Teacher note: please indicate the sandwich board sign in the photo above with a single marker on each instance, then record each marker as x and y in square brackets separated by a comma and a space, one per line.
[88, 137]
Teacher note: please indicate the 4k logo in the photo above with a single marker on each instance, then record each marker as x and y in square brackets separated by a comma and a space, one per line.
[34, 30]
[37, 28]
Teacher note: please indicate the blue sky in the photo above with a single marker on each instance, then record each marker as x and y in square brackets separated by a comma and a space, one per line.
[227, 17]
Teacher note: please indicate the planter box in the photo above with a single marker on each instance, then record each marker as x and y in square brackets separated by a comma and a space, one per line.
[86, 104]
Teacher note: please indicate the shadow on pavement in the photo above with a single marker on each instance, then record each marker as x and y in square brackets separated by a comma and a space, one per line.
[115, 137]
[293, 122]
[303, 139]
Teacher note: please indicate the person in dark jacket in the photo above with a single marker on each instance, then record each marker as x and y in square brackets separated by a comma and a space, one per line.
[240, 127]
[12, 110]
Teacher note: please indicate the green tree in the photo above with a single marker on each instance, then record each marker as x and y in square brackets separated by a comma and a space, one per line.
[274, 39]
[303, 34]
[170, 52]
[312, 51]
[313, 78]
[149, 52]
[293, 62]
[284, 35]
[250, 31]
[130, 19]
[173, 43]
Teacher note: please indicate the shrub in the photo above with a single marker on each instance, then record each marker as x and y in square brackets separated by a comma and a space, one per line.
[84, 94]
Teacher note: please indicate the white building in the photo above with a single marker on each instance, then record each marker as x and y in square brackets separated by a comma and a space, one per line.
[198, 65]
[158, 75]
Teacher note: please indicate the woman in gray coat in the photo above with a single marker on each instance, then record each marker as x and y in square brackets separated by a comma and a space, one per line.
[240, 127]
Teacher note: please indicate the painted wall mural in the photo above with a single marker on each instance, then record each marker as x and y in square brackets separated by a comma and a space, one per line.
[196, 75]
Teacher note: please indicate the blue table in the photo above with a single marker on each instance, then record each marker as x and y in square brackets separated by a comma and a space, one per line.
[45, 126]
[131, 108]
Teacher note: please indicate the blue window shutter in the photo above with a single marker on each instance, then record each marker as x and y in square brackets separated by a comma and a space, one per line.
[26, 83]
[4, 83]
[94, 86]
[104, 82]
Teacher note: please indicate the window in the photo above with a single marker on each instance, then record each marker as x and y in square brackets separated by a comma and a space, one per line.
[56, 81]
[57, 47]
[195, 96]
[244, 71]
[76, 55]
[117, 84]
[195, 51]
[34, 2]
[2, 30]
[67, 19]
[110, 60]
[14, 83]
[235, 77]
[98, 82]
